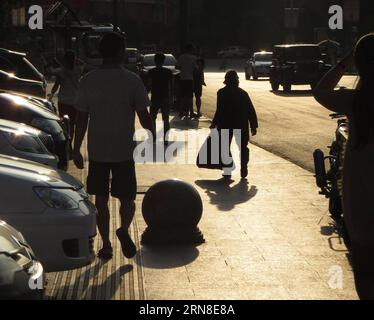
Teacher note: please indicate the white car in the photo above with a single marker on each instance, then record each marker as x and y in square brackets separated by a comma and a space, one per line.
[259, 65]
[51, 209]
[21, 141]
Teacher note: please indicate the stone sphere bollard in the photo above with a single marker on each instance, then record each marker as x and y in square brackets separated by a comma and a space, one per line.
[172, 210]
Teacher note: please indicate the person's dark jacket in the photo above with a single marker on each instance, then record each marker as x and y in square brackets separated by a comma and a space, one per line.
[234, 109]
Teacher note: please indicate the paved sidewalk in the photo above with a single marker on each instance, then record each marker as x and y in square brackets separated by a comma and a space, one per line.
[268, 237]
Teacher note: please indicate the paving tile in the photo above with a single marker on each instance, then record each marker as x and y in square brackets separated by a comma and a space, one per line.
[268, 293]
[220, 294]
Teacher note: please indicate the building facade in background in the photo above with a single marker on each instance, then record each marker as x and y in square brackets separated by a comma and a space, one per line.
[144, 21]
[210, 24]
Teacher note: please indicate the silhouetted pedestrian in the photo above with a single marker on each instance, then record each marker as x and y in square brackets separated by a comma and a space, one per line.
[160, 84]
[67, 82]
[186, 64]
[109, 98]
[199, 82]
[236, 113]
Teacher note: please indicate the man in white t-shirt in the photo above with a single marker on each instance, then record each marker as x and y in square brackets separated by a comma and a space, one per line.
[109, 98]
[187, 64]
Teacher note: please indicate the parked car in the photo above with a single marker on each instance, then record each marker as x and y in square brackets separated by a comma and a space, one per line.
[19, 74]
[233, 52]
[258, 65]
[42, 102]
[296, 64]
[51, 209]
[21, 141]
[20, 109]
[9, 82]
[18, 267]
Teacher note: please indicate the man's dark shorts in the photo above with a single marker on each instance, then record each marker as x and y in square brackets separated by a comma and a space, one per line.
[186, 88]
[123, 182]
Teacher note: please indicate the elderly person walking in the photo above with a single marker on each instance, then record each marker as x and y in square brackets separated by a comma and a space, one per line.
[235, 112]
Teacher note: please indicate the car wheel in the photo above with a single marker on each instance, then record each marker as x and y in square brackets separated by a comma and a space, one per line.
[313, 85]
[275, 86]
[287, 87]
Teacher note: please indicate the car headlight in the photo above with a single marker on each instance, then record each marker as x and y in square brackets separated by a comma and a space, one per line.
[63, 199]
[47, 125]
[24, 142]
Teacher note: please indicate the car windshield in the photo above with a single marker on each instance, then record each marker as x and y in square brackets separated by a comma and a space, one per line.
[28, 70]
[149, 61]
[264, 57]
[303, 53]
[20, 67]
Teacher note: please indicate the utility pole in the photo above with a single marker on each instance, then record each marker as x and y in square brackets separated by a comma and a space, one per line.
[292, 34]
[115, 14]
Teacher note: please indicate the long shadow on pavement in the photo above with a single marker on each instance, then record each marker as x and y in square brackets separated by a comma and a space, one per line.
[225, 196]
[168, 257]
[95, 291]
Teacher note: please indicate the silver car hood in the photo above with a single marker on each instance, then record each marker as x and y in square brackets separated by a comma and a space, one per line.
[37, 173]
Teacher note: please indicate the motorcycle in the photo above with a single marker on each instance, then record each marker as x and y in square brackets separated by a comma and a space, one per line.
[330, 181]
